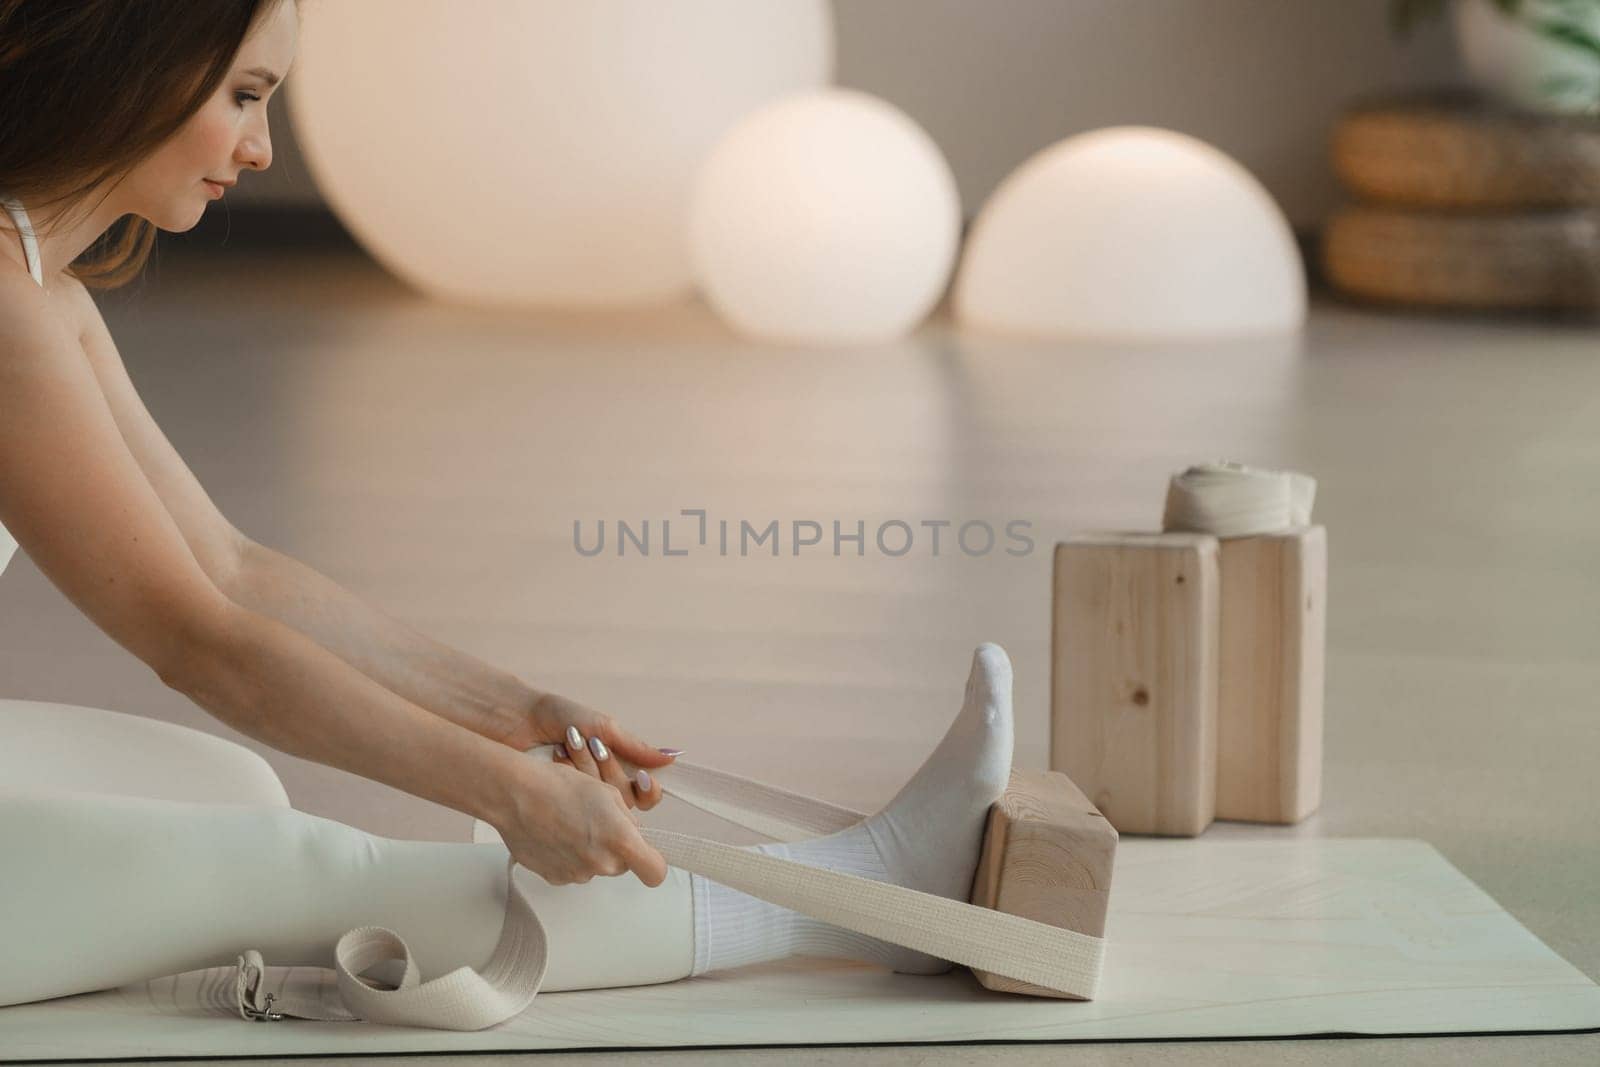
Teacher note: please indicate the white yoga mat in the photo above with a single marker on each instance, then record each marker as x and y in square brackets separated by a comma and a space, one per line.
[1207, 939]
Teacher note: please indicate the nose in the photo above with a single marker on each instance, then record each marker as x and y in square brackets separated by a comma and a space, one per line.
[255, 149]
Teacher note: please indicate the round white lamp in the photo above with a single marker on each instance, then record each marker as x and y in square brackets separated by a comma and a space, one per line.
[536, 152]
[827, 217]
[1131, 233]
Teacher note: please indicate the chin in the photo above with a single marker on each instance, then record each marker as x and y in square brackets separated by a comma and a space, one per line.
[180, 219]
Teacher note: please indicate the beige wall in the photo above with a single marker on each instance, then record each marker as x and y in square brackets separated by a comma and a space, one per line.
[993, 81]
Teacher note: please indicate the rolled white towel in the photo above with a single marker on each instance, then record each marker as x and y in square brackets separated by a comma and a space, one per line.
[1228, 499]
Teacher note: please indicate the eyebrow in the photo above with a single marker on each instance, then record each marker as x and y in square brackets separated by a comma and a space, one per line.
[265, 75]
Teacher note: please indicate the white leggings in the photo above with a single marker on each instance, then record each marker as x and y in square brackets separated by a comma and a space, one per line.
[99, 889]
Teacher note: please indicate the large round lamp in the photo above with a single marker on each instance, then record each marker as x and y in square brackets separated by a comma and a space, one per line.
[536, 152]
[1131, 233]
[827, 217]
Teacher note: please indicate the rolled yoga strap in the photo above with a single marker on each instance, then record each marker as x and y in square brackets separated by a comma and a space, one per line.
[465, 999]
[1233, 500]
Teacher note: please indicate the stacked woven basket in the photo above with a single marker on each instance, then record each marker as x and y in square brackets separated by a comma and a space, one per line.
[1467, 205]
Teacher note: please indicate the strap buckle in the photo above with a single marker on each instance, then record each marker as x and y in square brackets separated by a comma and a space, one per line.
[261, 1015]
[247, 989]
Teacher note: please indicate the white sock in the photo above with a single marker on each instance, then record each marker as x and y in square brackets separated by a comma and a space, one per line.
[928, 837]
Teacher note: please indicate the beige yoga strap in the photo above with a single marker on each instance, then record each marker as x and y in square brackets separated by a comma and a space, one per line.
[465, 999]
[1234, 500]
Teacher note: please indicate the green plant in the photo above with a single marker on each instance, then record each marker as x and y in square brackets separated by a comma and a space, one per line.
[1566, 22]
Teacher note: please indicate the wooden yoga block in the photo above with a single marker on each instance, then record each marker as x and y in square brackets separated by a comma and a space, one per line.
[1270, 676]
[1133, 694]
[1047, 856]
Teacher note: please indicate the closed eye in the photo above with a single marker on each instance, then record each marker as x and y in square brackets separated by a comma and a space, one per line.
[242, 96]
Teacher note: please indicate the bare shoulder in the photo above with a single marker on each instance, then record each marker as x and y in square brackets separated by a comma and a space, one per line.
[75, 299]
[30, 314]
[30, 317]
[75, 292]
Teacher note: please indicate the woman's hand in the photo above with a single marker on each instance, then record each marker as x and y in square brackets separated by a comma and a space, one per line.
[593, 743]
[567, 826]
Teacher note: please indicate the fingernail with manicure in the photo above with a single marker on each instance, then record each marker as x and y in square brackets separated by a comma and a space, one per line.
[598, 747]
[670, 751]
[641, 778]
[574, 739]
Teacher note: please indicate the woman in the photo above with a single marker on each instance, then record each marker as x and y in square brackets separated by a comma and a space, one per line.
[95, 494]
[98, 498]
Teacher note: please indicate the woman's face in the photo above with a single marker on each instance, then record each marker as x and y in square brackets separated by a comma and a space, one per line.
[172, 186]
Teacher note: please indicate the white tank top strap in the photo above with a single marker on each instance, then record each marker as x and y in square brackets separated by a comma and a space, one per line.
[30, 249]
[30, 243]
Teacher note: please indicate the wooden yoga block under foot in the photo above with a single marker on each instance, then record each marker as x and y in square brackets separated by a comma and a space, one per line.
[1047, 856]
[1270, 678]
[1134, 660]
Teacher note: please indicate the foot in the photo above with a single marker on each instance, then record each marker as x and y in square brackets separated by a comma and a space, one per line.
[928, 837]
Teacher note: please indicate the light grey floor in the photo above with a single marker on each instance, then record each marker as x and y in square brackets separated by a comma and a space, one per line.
[435, 459]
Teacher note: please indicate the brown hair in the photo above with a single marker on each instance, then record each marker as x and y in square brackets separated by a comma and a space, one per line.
[90, 87]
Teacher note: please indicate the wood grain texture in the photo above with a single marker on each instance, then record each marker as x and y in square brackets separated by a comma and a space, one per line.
[1134, 677]
[1048, 856]
[1271, 675]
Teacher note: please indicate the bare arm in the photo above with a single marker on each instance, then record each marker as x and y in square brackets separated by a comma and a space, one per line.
[78, 503]
[280, 687]
[445, 681]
